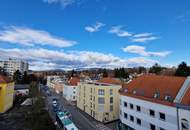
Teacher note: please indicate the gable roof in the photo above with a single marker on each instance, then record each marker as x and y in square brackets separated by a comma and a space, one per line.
[4, 79]
[146, 86]
[109, 80]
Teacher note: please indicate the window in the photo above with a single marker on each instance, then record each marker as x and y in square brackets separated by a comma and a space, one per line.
[132, 118]
[125, 115]
[111, 99]
[138, 108]
[111, 108]
[101, 100]
[111, 91]
[131, 106]
[101, 92]
[184, 124]
[152, 113]
[90, 90]
[125, 104]
[152, 127]
[162, 116]
[138, 121]
[162, 128]
[101, 108]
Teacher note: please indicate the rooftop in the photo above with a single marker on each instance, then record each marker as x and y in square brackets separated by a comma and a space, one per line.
[73, 81]
[109, 80]
[160, 89]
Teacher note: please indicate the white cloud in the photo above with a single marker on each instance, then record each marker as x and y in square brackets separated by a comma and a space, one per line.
[142, 35]
[141, 50]
[144, 39]
[43, 59]
[31, 37]
[119, 32]
[64, 3]
[94, 28]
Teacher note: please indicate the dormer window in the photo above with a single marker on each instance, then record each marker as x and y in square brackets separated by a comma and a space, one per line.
[157, 95]
[168, 98]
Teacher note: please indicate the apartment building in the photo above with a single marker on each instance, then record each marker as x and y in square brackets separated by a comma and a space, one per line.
[152, 102]
[99, 99]
[70, 89]
[12, 65]
[6, 93]
[56, 83]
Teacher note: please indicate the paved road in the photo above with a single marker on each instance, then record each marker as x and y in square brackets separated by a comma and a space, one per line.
[79, 119]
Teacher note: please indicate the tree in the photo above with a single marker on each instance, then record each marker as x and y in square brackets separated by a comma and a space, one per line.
[17, 76]
[105, 73]
[183, 70]
[155, 69]
[25, 78]
[120, 73]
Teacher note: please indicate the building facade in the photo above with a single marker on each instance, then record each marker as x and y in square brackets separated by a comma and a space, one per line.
[12, 65]
[70, 89]
[6, 94]
[56, 83]
[99, 99]
[149, 102]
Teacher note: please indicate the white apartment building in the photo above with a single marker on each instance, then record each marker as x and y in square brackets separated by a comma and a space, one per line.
[70, 89]
[12, 65]
[152, 102]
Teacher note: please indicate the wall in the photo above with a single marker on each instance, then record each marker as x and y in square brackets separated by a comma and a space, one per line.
[184, 114]
[6, 96]
[170, 112]
[87, 100]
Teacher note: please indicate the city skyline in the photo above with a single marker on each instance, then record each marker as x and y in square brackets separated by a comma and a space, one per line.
[67, 34]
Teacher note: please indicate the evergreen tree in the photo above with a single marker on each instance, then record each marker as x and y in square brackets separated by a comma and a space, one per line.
[155, 69]
[183, 70]
[17, 77]
[105, 73]
[25, 78]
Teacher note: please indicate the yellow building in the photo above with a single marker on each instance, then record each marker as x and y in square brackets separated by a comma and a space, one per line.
[6, 94]
[99, 99]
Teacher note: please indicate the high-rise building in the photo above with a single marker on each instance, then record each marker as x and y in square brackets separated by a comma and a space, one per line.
[12, 65]
[99, 99]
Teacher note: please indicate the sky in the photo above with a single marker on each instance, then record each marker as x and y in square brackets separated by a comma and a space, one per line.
[70, 34]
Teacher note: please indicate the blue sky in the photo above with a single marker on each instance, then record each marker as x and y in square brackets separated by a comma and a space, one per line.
[68, 34]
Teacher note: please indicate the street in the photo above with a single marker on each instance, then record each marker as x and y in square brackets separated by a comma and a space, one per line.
[83, 122]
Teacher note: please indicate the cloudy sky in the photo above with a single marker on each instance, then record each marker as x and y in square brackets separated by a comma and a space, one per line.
[67, 34]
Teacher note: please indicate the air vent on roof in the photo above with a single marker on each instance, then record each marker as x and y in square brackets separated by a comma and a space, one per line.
[156, 95]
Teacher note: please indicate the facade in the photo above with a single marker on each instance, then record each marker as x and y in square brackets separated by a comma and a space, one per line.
[12, 65]
[99, 99]
[152, 102]
[6, 94]
[70, 89]
[56, 83]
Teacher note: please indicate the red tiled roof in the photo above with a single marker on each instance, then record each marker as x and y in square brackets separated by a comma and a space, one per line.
[4, 79]
[73, 81]
[186, 98]
[109, 80]
[147, 85]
